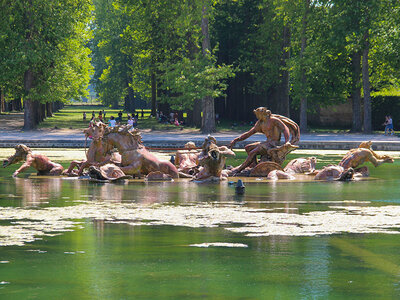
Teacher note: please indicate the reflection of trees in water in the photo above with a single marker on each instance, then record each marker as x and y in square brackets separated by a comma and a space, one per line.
[37, 191]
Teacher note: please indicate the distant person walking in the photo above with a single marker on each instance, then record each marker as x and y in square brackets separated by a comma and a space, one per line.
[84, 116]
[388, 125]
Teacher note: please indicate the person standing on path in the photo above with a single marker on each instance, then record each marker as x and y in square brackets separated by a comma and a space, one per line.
[388, 125]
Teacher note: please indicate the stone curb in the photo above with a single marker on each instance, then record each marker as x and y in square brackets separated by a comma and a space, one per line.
[312, 145]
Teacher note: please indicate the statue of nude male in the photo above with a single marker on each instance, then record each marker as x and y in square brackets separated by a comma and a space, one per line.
[273, 126]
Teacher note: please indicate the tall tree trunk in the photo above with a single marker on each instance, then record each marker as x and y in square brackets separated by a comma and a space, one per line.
[303, 101]
[17, 104]
[366, 86]
[2, 101]
[197, 109]
[29, 107]
[129, 103]
[283, 102]
[115, 104]
[42, 108]
[356, 92]
[14, 105]
[49, 109]
[153, 94]
[36, 112]
[208, 120]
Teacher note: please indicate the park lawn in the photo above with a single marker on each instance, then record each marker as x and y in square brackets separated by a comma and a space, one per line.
[71, 117]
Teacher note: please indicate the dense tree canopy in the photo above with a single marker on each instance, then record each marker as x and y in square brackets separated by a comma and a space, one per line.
[292, 56]
[43, 52]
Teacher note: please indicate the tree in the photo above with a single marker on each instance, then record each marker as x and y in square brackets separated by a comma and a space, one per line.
[43, 47]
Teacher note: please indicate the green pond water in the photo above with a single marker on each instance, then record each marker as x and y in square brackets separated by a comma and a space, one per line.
[74, 239]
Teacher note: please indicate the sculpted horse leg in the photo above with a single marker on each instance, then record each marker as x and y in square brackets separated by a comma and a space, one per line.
[133, 169]
[74, 163]
[85, 164]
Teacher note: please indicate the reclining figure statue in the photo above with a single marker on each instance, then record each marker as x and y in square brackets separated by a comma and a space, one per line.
[348, 166]
[40, 162]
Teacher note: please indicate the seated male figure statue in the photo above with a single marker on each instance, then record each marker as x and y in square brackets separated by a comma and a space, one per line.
[270, 125]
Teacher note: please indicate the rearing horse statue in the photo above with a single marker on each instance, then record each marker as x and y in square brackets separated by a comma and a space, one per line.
[97, 154]
[136, 160]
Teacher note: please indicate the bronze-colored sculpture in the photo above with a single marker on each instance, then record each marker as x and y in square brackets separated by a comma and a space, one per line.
[273, 126]
[212, 160]
[362, 154]
[301, 165]
[334, 172]
[187, 160]
[158, 176]
[96, 154]
[348, 166]
[296, 166]
[136, 160]
[264, 168]
[278, 174]
[108, 172]
[40, 162]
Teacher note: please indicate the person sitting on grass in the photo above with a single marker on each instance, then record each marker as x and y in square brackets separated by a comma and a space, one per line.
[112, 122]
[132, 121]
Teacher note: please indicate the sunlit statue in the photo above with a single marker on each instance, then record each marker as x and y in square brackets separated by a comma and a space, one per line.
[348, 167]
[301, 165]
[136, 160]
[96, 154]
[334, 172]
[107, 172]
[272, 126]
[212, 160]
[296, 166]
[40, 162]
[362, 154]
[187, 160]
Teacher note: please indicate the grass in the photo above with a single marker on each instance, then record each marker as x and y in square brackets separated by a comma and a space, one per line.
[71, 117]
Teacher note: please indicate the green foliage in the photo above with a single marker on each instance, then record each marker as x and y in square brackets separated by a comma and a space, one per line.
[48, 38]
[382, 106]
[324, 61]
[190, 79]
[112, 67]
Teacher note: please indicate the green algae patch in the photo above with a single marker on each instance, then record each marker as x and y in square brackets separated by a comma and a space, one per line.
[27, 224]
